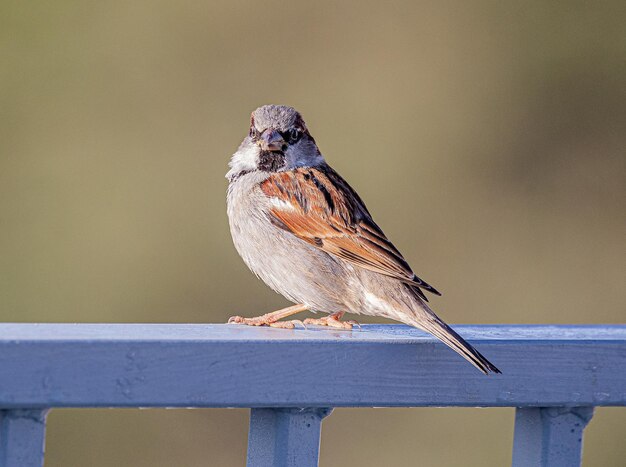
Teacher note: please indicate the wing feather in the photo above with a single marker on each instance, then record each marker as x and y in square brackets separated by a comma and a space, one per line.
[318, 206]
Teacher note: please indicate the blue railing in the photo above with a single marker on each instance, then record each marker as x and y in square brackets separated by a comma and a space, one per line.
[291, 379]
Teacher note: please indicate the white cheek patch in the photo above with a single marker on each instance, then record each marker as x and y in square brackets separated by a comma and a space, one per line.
[248, 156]
[282, 205]
[244, 159]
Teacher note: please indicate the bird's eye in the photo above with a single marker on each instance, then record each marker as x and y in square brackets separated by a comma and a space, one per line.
[254, 133]
[293, 135]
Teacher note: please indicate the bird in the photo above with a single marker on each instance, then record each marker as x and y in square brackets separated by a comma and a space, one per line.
[302, 229]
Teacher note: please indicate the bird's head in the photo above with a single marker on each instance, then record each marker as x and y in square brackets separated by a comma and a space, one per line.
[277, 140]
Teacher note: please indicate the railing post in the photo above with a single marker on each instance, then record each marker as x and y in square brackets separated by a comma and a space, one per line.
[549, 436]
[285, 437]
[22, 437]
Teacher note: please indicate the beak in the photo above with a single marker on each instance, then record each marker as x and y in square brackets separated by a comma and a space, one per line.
[272, 140]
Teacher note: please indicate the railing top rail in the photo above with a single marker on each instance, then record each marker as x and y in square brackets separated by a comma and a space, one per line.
[391, 333]
[188, 365]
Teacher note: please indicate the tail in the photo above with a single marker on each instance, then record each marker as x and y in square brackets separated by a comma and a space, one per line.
[428, 321]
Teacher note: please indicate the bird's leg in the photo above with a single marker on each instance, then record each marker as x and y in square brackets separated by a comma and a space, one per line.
[333, 320]
[271, 319]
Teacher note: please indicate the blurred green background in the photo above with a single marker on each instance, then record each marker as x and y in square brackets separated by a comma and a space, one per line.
[487, 138]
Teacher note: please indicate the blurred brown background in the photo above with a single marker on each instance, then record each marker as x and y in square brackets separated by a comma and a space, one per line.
[486, 137]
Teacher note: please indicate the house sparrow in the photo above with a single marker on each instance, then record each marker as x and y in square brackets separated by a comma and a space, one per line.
[307, 234]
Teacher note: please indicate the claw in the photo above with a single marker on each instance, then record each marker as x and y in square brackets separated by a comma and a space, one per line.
[355, 323]
[301, 323]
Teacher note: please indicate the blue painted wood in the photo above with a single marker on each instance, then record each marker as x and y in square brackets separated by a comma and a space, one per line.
[549, 437]
[285, 437]
[22, 436]
[125, 365]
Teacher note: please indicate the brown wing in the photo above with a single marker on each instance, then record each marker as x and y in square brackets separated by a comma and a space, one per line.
[319, 207]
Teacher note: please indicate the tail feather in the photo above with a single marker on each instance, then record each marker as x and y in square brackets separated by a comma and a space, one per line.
[448, 336]
[432, 324]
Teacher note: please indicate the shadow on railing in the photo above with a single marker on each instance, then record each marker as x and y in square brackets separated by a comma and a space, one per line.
[291, 379]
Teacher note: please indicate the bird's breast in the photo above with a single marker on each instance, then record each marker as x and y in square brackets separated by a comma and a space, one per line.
[290, 266]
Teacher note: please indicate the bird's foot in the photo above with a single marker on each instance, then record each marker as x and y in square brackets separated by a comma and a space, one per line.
[271, 319]
[333, 321]
[266, 320]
